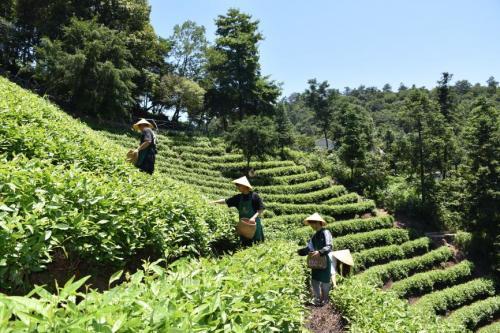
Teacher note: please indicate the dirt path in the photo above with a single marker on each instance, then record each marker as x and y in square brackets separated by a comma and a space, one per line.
[325, 319]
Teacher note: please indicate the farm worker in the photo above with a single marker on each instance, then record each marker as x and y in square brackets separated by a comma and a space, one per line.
[249, 205]
[147, 148]
[320, 245]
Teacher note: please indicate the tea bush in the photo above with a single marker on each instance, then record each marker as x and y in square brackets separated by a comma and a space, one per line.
[428, 281]
[253, 291]
[471, 315]
[456, 296]
[383, 254]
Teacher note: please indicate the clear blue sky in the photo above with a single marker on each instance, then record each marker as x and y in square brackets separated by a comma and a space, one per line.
[354, 42]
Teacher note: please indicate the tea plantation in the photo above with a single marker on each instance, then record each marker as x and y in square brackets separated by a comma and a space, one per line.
[71, 206]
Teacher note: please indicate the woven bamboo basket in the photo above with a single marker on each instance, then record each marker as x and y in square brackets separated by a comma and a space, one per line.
[246, 228]
[318, 262]
[132, 156]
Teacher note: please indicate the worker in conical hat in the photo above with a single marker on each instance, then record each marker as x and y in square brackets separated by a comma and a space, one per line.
[249, 205]
[146, 152]
[320, 245]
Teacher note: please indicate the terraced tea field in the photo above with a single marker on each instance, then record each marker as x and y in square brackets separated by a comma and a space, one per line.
[67, 197]
[408, 267]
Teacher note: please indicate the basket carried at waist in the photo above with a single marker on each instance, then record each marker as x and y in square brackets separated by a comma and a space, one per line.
[318, 262]
[132, 156]
[245, 228]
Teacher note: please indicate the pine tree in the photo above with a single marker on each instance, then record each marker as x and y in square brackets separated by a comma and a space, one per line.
[237, 87]
[320, 99]
[483, 136]
[356, 140]
[284, 128]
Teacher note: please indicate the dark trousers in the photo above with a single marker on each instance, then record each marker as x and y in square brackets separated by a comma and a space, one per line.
[148, 165]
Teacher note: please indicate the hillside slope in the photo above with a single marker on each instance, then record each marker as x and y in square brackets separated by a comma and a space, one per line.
[408, 267]
[65, 192]
[68, 198]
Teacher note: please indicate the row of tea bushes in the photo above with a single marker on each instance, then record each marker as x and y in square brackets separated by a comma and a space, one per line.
[383, 254]
[254, 290]
[305, 198]
[101, 220]
[429, 281]
[367, 309]
[472, 315]
[400, 269]
[304, 187]
[335, 211]
[456, 296]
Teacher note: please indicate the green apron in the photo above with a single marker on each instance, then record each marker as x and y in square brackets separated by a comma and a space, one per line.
[143, 153]
[322, 275]
[142, 156]
[245, 210]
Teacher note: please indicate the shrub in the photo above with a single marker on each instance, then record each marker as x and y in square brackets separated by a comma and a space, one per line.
[380, 255]
[294, 220]
[400, 196]
[363, 240]
[400, 269]
[456, 296]
[463, 241]
[228, 158]
[343, 199]
[367, 309]
[491, 328]
[308, 186]
[248, 292]
[335, 210]
[288, 180]
[280, 171]
[426, 282]
[102, 220]
[471, 315]
[310, 197]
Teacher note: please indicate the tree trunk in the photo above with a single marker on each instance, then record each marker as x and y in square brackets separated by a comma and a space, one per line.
[224, 124]
[326, 139]
[175, 117]
[445, 162]
[421, 157]
[209, 120]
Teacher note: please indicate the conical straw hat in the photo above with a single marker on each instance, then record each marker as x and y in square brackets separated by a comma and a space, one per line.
[243, 181]
[315, 217]
[142, 122]
[344, 256]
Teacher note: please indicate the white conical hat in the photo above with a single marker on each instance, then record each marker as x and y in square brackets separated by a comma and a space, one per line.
[243, 181]
[142, 122]
[315, 217]
[344, 256]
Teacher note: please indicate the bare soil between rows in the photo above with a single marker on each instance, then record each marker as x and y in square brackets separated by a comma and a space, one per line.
[325, 319]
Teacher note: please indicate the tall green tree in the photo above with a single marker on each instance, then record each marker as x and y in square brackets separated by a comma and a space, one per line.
[33, 23]
[188, 50]
[255, 136]
[237, 88]
[492, 85]
[423, 124]
[320, 99]
[284, 128]
[483, 138]
[356, 140]
[187, 59]
[88, 70]
[180, 93]
[446, 107]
